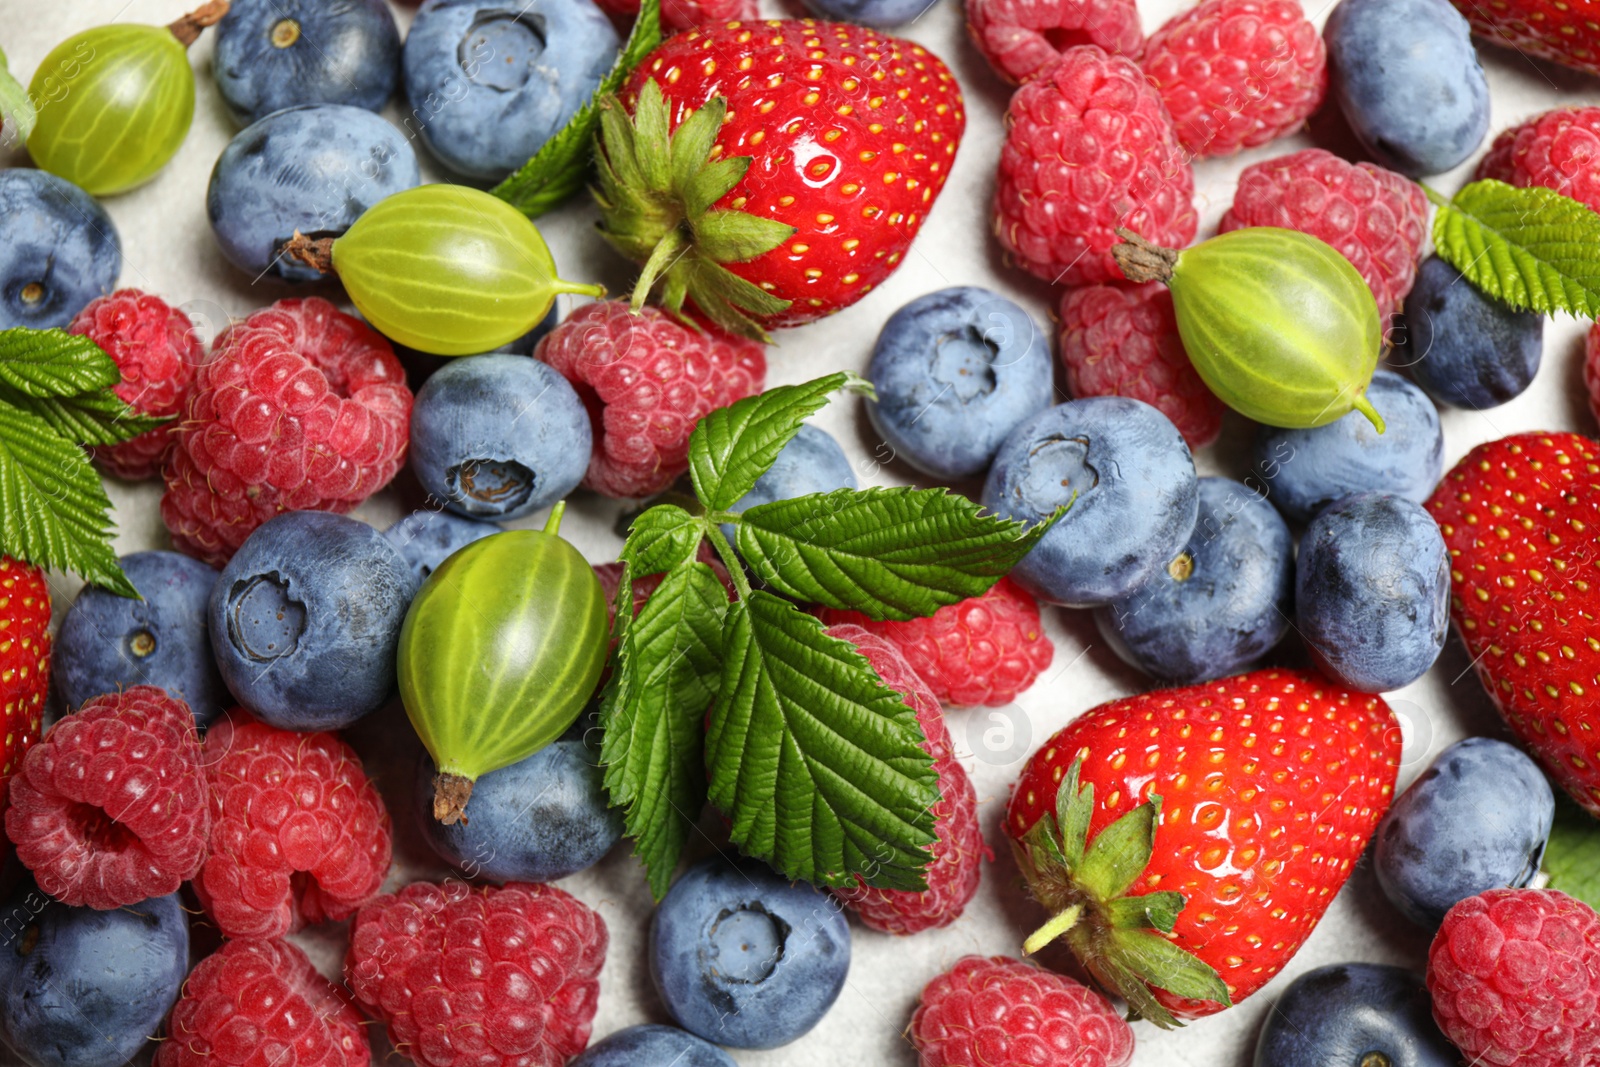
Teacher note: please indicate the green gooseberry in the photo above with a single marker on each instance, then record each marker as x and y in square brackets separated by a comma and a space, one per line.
[500, 651]
[1278, 323]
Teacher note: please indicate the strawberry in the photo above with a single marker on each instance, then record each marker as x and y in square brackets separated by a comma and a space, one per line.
[1559, 30]
[24, 661]
[803, 159]
[1521, 518]
[1187, 841]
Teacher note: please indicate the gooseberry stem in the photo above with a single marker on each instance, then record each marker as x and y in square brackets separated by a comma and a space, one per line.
[1363, 405]
[315, 253]
[552, 525]
[1142, 261]
[450, 795]
[187, 29]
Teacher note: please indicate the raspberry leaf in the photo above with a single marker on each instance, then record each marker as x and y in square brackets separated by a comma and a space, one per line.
[97, 418]
[559, 169]
[899, 553]
[1529, 248]
[1572, 857]
[661, 539]
[818, 765]
[53, 363]
[17, 112]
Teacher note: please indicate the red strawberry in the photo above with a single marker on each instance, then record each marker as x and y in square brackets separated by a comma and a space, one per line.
[805, 157]
[1521, 517]
[24, 661]
[1224, 816]
[1559, 30]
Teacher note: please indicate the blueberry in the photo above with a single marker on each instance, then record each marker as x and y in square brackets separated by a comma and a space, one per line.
[58, 250]
[1465, 348]
[108, 642]
[1372, 591]
[1476, 820]
[305, 620]
[499, 436]
[427, 538]
[1136, 497]
[273, 54]
[312, 169]
[812, 462]
[880, 13]
[87, 988]
[1354, 1015]
[743, 958]
[653, 1046]
[955, 372]
[490, 81]
[537, 820]
[1221, 603]
[1407, 78]
[1306, 470]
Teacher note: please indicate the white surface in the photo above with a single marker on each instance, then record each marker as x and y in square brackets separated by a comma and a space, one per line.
[168, 249]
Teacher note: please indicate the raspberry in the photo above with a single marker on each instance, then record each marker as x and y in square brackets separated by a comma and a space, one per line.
[1374, 217]
[300, 408]
[1089, 148]
[492, 977]
[110, 808]
[983, 650]
[1000, 1012]
[259, 1002]
[1122, 340]
[298, 833]
[1237, 73]
[1559, 150]
[1022, 38]
[24, 661]
[683, 14]
[646, 380]
[1514, 975]
[155, 347]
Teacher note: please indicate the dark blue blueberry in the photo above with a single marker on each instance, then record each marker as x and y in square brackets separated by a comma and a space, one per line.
[305, 620]
[1463, 347]
[879, 13]
[1306, 470]
[1221, 603]
[812, 462]
[955, 372]
[427, 538]
[1354, 1015]
[1136, 497]
[312, 169]
[1407, 78]
[653, 1046]
[1478, 819]
[58, 250]
[499, 436]
[108, 643]
[1372, 591]
[273, 54]
[744, 958]
[490, 81]
[86, 988]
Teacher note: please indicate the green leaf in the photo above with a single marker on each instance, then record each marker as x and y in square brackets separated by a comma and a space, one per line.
[1529, 248]
[1572, 858]
[652, 145]
[53, 363]
[1163, 964]
[898, 553]
[734, 446]
[16, 110]
[97, 418]
[661, 538]
[691, 145]
[665, 677]
[818, 765]
[1075, 808]
[736, 236]
[1121, 852]
[560, 168]
[53, 509]
[1158, 910]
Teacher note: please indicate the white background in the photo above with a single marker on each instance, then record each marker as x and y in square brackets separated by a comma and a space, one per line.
[168, 249]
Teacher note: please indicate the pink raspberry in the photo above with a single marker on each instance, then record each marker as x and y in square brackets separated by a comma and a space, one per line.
[1237, 73]
[298, 833]
[1122, 340]
[1022, 38]
[256, 1002]
[1514, 975]
[155, 347]
[1559, 150]
[1374, 217]
[683, 14]
[110, 807]
[492, 977]
[983, 650]
[646, 380]
[1001, 1012]
[1089, 148]
[300, 408]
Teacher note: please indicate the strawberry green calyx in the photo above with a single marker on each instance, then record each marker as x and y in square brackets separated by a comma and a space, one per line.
[1084, 883]
[656, 190]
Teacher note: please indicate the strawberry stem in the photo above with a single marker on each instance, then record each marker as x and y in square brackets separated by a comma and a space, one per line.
[668, 251]
[1059, 924]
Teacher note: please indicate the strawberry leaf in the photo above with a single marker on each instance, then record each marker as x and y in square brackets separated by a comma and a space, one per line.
[1075, 809]
[1528, 248]
[1163, 964]
[661, 539]
[53, 363]
[1121, 852]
